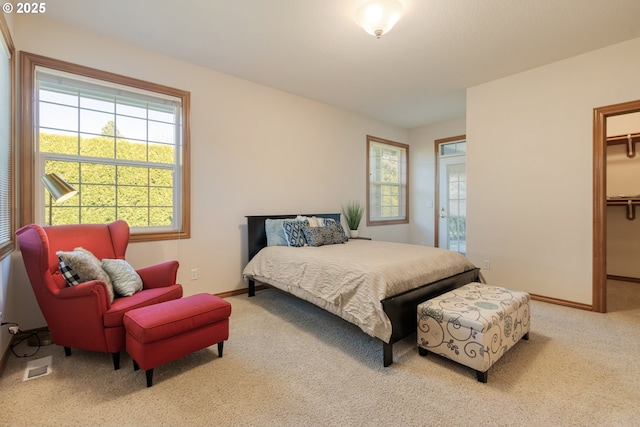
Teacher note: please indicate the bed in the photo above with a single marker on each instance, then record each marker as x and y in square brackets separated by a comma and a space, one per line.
[359, 294]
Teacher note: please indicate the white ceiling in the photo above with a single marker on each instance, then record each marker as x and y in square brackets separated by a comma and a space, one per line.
[415, 75]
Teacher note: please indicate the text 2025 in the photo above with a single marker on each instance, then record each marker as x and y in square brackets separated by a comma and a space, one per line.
[31, 7]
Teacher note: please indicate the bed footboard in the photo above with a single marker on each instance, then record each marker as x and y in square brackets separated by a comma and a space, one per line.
[402, 309]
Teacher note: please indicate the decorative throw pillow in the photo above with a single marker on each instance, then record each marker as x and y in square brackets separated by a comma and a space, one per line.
[67, 272]
[275, 232]
[330, 222]
[318, 236]
[87, 267]
[126, 281]
[293, 232]
[313, 221]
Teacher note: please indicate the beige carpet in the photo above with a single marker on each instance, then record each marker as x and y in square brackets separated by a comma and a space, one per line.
[288, 363]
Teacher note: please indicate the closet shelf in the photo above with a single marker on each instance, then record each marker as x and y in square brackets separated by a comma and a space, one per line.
[629, 140]
[630, 202]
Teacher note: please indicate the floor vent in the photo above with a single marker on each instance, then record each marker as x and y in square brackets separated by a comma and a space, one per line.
[37, 368]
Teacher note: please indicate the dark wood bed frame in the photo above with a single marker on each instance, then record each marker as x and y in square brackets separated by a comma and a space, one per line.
[401, 309]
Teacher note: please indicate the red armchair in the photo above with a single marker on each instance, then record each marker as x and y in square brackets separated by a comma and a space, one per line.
[83, 316]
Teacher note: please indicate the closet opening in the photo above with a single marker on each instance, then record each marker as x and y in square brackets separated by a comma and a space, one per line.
[626, 199]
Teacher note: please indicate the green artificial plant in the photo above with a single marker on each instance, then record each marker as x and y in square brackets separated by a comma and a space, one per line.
[353, 212]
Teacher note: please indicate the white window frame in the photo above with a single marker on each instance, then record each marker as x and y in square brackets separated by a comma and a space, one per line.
[32, 66]
[375, 214]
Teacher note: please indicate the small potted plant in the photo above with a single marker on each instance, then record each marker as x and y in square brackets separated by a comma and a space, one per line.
[353, 212]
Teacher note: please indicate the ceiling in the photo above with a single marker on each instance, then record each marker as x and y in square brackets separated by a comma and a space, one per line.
[413, 76]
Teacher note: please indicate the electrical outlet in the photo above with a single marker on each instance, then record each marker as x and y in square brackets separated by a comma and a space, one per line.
[194, 274]
[486, 264]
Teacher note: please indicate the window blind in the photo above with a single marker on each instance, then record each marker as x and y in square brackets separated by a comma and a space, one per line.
[71, 83]
[5, 146]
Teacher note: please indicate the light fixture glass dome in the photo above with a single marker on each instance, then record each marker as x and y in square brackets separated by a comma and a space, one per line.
[378, 17]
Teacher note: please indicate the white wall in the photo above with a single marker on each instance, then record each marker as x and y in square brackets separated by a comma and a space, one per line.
[623, 178]
[255, 150]
[530, 160]
[422, 170]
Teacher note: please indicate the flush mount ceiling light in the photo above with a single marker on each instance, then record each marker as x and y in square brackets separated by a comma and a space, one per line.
[378, 17]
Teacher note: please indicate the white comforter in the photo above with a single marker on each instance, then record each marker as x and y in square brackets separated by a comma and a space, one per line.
[351, 279]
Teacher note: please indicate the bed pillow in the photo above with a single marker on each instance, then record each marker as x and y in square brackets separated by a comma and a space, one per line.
[313, 221]
[330, 222]
[126, 281]
[319, 236]
[293, 232]
[87, 267]
[275, 232]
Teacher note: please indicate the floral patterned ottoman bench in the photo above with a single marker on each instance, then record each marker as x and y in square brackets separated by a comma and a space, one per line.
[473, 325]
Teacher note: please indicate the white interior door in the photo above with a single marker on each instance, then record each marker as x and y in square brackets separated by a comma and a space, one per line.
[452, 197]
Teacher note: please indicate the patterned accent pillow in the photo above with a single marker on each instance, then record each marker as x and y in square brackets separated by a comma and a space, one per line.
[318, 236]
[126, 281]
[293, 232]
[330, 222]
[87, 266]
[67, 272]
[313, 221]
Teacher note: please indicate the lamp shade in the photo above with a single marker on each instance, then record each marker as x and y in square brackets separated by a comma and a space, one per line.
[59, 189]
[377, 17]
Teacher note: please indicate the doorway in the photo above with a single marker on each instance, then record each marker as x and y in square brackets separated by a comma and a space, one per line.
[451, 194]
[600, 116]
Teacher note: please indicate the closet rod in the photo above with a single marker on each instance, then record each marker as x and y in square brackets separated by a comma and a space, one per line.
[629, 202]
[628, 139]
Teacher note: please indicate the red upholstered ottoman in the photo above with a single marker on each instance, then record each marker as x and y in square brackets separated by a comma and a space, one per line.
[164, 332]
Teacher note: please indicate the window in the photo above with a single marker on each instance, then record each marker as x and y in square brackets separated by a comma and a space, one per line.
[387, 182]
[7, 169]
[458, 148]
[122, 143]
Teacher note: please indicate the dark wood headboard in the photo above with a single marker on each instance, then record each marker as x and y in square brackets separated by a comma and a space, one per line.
[258, 236]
